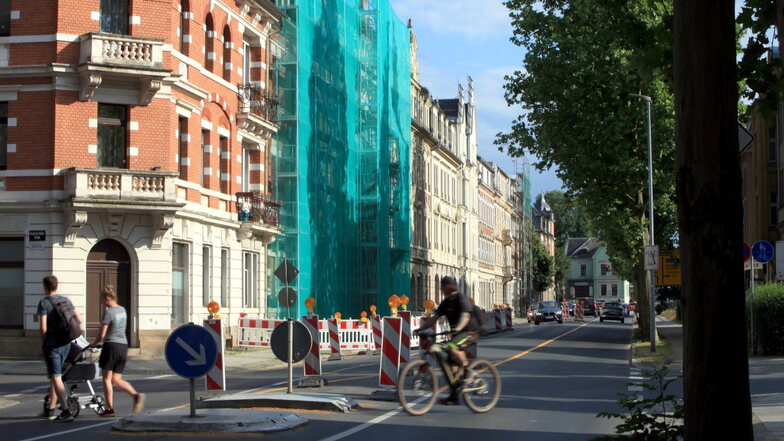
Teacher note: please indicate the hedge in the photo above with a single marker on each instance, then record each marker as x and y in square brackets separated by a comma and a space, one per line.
[768, 318]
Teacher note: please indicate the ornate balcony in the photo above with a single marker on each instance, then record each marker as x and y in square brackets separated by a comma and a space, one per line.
[257, 111]
[110, 61]
[258, 213]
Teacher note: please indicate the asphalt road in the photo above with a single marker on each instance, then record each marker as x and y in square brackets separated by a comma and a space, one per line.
[556, 378]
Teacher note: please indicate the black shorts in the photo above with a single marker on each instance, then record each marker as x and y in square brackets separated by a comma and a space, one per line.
[461, 340]
[113, 357]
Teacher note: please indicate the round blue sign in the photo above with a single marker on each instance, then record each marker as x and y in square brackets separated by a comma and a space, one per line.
[762, 251]
[191, 351]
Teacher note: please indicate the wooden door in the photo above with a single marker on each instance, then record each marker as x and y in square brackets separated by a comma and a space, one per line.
[108, 264]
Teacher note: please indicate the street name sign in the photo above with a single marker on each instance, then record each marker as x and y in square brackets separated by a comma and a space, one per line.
[762, 251]
[191, 351]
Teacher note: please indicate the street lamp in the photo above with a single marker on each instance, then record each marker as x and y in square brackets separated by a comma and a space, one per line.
[648, 100]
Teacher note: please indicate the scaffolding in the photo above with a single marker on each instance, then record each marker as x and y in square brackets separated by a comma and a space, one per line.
[344, 125]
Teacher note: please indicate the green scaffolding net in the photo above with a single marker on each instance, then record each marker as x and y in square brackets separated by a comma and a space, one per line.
[341, 155]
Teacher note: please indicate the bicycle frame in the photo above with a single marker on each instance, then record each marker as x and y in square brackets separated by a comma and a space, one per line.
[440, 353]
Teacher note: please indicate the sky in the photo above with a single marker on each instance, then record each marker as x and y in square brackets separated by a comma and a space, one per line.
[461, 38]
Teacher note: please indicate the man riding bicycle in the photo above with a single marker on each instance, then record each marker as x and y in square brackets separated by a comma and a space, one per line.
[458, 310]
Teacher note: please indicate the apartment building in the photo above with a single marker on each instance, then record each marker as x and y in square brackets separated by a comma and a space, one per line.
[136, 153]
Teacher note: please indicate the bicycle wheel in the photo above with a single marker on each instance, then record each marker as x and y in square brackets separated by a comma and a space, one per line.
[483, 391]
[417, 387]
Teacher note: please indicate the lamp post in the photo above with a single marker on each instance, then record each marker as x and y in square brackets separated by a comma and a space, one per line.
[648, 100]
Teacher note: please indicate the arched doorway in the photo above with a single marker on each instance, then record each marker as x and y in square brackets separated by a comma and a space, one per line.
[109, 264]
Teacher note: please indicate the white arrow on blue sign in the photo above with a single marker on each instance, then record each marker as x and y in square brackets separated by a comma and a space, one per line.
[762, 251]
[191, 351]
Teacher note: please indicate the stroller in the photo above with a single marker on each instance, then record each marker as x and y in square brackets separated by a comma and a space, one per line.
[79, 368]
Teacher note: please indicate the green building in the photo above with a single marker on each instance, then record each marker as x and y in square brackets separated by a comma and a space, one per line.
[341, 167]
[591, 273]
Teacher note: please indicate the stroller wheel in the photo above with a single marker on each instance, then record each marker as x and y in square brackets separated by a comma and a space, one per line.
[100, 404]
[73, 406]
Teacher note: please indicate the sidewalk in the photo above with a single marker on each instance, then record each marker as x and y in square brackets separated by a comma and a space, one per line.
[766, 379]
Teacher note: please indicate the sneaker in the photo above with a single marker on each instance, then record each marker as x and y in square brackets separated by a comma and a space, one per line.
[49, 414]
[138, 403]
[65, 417]
[108, 413]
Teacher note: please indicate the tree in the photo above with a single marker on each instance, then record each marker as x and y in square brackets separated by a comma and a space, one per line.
[543, 268]
[570, 221]
[582, 58]
[716, 372]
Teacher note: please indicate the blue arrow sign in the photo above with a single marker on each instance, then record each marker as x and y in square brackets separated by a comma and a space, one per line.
[762, 251]
[191, 351]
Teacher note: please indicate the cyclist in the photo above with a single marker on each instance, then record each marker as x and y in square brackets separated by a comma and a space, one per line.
[458, 310]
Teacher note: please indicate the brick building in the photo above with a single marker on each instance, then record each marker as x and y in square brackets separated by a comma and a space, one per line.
[135, 150]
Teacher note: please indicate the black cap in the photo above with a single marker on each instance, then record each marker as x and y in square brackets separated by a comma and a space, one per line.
[449, 281]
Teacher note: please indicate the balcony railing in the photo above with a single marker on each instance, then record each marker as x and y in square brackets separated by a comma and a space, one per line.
[254, 206]
[122, 51]
[258, 101]
[119, 184]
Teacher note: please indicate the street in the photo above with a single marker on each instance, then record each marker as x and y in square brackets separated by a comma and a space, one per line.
[556, 378]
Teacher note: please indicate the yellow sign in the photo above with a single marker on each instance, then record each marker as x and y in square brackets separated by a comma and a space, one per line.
[669, 272]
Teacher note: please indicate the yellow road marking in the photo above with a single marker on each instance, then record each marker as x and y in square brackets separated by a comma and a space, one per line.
[540, 345]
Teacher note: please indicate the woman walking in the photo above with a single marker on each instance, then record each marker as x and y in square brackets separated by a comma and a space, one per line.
[114, 353]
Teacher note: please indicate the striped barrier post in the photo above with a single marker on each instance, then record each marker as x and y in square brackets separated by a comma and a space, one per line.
[390, 351]
[312, 359]
[334, 339]
[405, 337]
[377, 334]
[216, 376]
[508, 311]
[498, 318]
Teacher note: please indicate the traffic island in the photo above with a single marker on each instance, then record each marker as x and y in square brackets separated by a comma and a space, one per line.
[210, 421]
[325, 402]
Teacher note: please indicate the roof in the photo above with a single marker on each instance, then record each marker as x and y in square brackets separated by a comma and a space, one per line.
[582, 247]
[450, 107]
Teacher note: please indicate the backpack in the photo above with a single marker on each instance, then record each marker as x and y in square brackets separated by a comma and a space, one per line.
[65, 321]
[481, 318]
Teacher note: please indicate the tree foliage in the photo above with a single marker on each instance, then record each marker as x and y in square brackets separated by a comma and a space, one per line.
[582, 58]
[570, 221]
[757, 68]
[543, 267]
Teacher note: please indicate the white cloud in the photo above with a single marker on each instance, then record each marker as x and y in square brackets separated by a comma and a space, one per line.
[467, 18]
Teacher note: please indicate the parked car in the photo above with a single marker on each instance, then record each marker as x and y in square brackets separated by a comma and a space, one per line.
[599, 303]
[612, 312]
[589, 307]
[548, 311]
[531, 313]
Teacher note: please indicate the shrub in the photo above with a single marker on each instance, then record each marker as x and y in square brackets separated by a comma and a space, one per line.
[768, 310]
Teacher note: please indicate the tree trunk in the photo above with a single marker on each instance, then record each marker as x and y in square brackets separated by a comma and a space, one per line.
[716, 372]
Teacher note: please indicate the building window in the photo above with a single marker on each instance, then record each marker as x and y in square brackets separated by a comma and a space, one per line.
[5, 18]
[112, 135]
[179, 282]
[209, 38]
[182, 132]
[246, 169]
[223, 164]
[583, 270]
[615, 290]
[250, 298]
[604, 290]
[205, 156]
[185, 12]
[772, 144]
[3, 136]
[227, 66]
[605, 269]
[225, 271]
[246, 60]
[206, 275]
[12, 287]
[114, 16]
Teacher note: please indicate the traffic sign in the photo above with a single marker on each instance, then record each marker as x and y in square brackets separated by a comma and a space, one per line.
[191, 351]
[279, 341]
[652, 257]
[746, 251]
[744, 138]
[287, 297]
[286, 272]
[762, 251]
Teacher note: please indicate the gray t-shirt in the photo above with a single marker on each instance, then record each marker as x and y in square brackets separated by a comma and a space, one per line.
[117, 319]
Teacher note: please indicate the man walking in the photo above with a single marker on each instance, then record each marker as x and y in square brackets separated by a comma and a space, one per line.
[56, 345]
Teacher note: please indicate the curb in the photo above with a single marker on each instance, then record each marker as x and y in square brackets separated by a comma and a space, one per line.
[237, 421]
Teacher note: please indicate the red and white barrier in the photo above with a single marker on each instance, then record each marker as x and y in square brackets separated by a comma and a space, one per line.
[498, 317]
[312, 359]
[255, 332]
[334, 339]
[405, 337]
[579, 312]
[390, 351]
[216, 376]
[377, 333]
[508, 313]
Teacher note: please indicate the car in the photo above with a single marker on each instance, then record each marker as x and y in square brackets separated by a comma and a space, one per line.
[548, 311]
[599, 303]
[612, 312]
[531, 313]
[589, 307]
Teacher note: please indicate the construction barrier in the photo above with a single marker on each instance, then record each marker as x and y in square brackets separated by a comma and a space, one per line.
[405, 337]
[334, 339]
[508, 312]
[497, 318]
[390, 351]
[216, 376]
[312, 359]
[377, 333]
[565, 310]
[578, 312]
[254, 332]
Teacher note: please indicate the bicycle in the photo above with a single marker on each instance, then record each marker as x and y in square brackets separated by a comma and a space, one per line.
[418, 383]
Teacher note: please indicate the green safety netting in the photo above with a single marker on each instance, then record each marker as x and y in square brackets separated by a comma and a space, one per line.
[342, 155]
